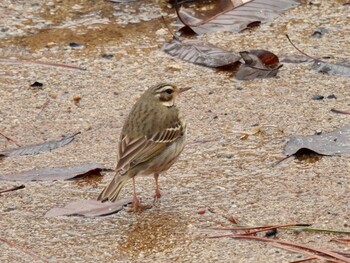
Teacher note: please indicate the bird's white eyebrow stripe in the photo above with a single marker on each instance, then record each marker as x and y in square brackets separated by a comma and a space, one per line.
[164, 88]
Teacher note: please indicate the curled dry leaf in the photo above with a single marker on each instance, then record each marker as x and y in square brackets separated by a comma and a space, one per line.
[56, 173]
[197, 52]
[233, 15]
[332, 143]
[89, 208]
[38, 148]
[258, 64]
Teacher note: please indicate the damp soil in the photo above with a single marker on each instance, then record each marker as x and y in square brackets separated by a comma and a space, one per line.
[236, 134]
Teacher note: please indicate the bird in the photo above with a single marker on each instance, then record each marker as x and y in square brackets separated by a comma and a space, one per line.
[152, 138]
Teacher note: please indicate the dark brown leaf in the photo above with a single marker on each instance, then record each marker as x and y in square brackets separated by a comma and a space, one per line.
[38, 148]
[89, 208]
[233, 17]
[196, 52]
[332, 143]
[53, 174]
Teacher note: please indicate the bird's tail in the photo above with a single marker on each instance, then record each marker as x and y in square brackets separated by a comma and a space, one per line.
[112, 190]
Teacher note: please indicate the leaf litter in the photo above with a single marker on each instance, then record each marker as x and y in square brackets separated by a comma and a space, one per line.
[56, 173]
[38, 148]
[245, 65]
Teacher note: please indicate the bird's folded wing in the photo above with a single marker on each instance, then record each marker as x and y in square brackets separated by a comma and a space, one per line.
[135, 151]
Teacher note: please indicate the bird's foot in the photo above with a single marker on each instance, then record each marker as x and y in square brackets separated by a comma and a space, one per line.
[137, 206]
[157, 196]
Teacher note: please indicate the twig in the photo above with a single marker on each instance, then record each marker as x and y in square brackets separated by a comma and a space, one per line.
[302, 52]
[12, 189]
[281, 160]
[9, 139]
[43, 107]
[54, 64]
[167, 26]
[340, 111]
[26, 251]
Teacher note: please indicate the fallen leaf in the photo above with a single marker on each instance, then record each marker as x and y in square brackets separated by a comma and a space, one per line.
[233, 15]
[89, 208]
[332, 143]
[38, 148]
[339, 68]
[197, 52]
[258, 64]
[56, 173]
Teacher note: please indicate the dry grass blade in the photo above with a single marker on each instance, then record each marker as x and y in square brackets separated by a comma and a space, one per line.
[9, 139]
[26, 251]
[310, 255]
[327, 253]
[258, 228]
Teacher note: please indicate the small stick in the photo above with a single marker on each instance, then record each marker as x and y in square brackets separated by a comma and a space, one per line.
[340, 111]
[54, 64]
[43, 107]
[302, 52]
[9, 139]
[12, 189]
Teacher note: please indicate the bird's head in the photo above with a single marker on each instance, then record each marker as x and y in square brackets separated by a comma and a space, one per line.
[165, 93]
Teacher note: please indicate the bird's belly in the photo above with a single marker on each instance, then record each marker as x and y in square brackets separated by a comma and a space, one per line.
[167, 158]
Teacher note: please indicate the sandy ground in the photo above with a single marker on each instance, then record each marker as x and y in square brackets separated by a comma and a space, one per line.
[219, 169]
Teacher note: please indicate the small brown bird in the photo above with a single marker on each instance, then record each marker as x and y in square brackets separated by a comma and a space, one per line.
[152, 138]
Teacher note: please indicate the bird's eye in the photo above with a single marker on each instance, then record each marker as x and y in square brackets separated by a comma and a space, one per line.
[169, 91]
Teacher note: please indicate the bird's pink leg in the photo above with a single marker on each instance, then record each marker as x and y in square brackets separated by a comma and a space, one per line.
[157, 192]
[136, 203]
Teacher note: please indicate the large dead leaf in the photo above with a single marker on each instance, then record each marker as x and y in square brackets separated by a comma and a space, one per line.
[38, 148]
[89, 208]
[332, 143]
[56, 173]
[197, 52]
[233, 15]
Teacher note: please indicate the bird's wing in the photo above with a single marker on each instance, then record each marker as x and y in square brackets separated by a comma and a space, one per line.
[135, 151]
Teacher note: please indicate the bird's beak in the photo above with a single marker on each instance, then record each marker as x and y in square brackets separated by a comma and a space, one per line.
[184, 89]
